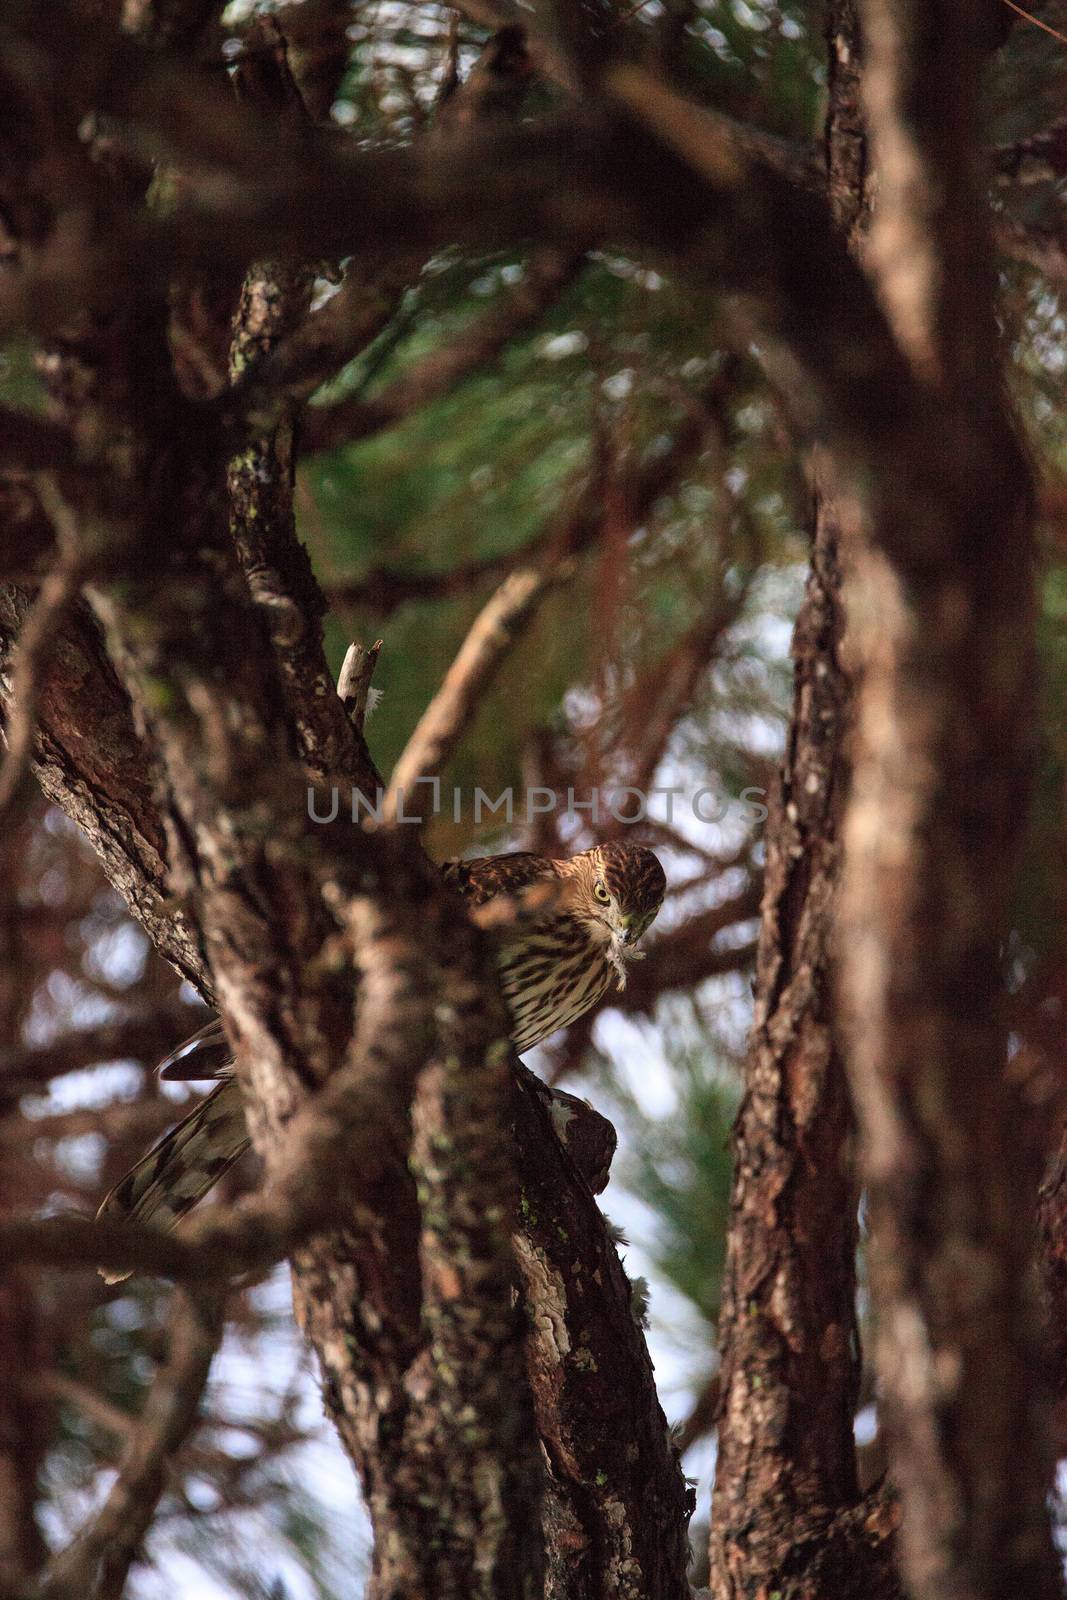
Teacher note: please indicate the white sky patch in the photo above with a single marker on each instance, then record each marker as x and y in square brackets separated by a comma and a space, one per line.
[558, 346]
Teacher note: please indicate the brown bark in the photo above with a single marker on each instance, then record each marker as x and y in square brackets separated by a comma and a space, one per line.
[786, 1513]
[337, 957]
[206, 800]
[616, 1505]
[943, 607]
[786, 1464]
[23, 1420]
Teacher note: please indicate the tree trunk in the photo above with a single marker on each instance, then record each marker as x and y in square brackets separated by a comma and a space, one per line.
[786, 1498]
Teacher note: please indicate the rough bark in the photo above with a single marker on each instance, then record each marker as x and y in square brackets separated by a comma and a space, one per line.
[616, 1506]
[944, 617]
[786, 1515]
[334, 953]
[908, 404]
[23, 1420]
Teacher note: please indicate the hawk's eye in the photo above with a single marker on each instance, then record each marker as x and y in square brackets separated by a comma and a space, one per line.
[601, 893]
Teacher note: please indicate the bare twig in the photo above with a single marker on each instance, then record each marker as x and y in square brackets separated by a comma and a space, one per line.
[323, 342]
[57, 594]
[358, 1112]
[383, 590]
[701, 1419]
[669, 687]
[97, 1562]
[1035, 21]
[250, 1240]
[140, 1036]
[96, 1407]
[547, 275]
[495, 630]
[502, 620]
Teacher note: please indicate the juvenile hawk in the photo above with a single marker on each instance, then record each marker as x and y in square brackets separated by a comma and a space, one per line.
[553, 967]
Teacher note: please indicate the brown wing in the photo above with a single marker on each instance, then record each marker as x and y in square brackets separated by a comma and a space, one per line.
[206, 1055]
[485, 877]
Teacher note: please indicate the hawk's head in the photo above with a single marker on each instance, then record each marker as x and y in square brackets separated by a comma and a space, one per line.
[618, 889]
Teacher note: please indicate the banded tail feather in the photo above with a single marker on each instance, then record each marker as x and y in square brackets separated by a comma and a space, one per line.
[182, 1166]
[206, 1054]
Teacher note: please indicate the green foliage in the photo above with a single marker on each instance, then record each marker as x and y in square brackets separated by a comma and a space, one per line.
[19, 383]
[488, 468]
[677, 1161]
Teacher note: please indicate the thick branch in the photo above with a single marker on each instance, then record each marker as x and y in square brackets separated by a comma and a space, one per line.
[723, 216]
[786, 1489]
[929, 244]
[91, 762]
[945, 636]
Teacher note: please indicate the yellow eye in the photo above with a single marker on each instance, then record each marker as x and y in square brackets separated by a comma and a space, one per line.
[601, 893]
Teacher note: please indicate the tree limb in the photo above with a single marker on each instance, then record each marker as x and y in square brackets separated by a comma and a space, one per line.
[944, 634]
[98, 1561]
[547, 274]
[148, 1035]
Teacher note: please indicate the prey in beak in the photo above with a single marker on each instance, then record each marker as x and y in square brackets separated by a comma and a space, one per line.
[621, 950]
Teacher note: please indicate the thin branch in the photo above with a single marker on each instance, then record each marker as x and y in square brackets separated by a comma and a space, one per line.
[251, 1240]
[488, 186]
[358, 1113]
[496, 629]
[503, 619]
[36, 640]
[140, 1122]
[372, 291]
[668, 688]
[319, 49]
[701, 1419]
[323, 342]
[547, 275]
[94, 1406]
[98, 1561]
[138, 1037]
[1035, 21]
[383, 590]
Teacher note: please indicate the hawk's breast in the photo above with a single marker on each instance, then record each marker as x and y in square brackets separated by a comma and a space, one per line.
[550, 978]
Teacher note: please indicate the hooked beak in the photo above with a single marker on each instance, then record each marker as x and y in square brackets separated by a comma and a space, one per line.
[631, 930]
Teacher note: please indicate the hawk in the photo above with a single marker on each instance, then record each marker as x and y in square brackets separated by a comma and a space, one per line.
[554, 964]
